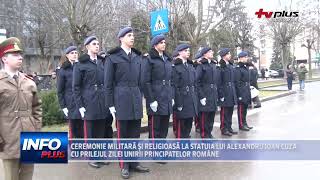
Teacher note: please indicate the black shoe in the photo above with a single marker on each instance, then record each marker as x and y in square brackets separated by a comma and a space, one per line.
[161, 162]
[257, 106]
[140, 169]
[95, 164]
[249, 127]
[104, 163]
[210, 136]
[125, 173]
[226, 133]
[244, 128]
[232, 131]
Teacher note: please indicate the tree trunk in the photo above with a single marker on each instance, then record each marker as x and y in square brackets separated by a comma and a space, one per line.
[283, 61]
[309, 62]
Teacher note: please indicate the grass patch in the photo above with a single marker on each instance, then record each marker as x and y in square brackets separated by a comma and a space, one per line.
[55, 128]
[282, 82]
[270, 83]
[264, 94]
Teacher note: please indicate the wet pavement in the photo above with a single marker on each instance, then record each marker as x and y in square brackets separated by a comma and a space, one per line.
[292, 117]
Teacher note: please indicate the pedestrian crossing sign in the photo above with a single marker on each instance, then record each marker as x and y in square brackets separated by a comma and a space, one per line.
[159, 22]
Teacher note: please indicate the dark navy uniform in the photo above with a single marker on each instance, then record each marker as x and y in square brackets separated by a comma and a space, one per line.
[88, 88]
[158, 75]
[227, 93]
[196, 63]
[243, 93]
[208, 78]
[123, 82]
[184, 82]
[254, 82]
[67, 100]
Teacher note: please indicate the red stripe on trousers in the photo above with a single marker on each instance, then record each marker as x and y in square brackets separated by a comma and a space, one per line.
[70, 130]
[202, 123]
[118, 134]
[85, 131]
[241, 116]
[222, 118]
[179, 130]
[174, 124]
[152, 128]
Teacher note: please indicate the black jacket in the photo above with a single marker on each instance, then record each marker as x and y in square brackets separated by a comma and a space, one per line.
[184, 82]
[227, 89]
[243, 83]
[208, 78]
[254, 76]
[88, 88]
[158, 85]
[64, 90]
[123, 83]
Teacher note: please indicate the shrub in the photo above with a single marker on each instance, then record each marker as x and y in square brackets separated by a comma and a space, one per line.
[51, 111]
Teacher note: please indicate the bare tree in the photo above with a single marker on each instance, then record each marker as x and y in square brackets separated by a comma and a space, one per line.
[46, 35]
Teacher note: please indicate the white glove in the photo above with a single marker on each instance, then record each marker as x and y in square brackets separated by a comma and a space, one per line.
[240, 98]
[172, 102]
[65, 111]
[154, 106]
[203, 101]
[179, 108]
[82, 110]
[222, 99]
[113, 112]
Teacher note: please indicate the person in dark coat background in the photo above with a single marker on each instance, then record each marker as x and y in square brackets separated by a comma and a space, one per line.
[227, 93]
[196, 62]
[65, 95]
[208, 78]
[158, 88]
[89, 92]
[254, 82]
[174, 118]
[184, 82]
[290, 76]
[242, 84]
[123, 83]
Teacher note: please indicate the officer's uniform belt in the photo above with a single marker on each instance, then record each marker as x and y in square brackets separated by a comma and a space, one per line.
[211, 85]
[127, 84]
[98, 86]
[188, 88]
[161, 82]
[229, 83]
[25, 113]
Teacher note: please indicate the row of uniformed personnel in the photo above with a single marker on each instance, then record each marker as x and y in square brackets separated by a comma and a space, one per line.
[100, 89]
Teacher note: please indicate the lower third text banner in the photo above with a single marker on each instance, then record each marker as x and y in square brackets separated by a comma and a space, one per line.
[131, 150]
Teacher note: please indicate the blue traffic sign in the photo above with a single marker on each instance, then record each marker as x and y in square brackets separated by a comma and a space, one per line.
[159, 22]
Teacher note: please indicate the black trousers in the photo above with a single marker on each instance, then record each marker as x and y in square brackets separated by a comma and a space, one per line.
[256, 101]
[158, 126]
[289, 81]
[94, 128]
[183, 127]
[226, 118]
[128, 129]
[206, 120]
[75, 128]
[242, 115]
[108, 133]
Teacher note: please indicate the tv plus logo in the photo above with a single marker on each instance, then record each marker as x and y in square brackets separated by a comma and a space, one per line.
[276, 14]
[44, 147]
